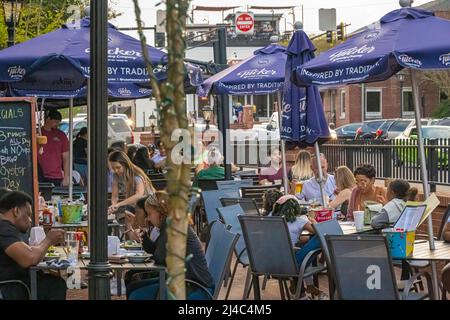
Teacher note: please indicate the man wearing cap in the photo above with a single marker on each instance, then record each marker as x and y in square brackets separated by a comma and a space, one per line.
[54, 160]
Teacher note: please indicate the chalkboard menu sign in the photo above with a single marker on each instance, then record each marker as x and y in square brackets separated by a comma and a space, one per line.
[18, 157]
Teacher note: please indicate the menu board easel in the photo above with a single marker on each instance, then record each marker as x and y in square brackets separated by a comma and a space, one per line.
[18, 148]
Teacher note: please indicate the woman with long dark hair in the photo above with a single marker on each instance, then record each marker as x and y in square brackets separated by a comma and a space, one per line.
[142, 160]
[128, 179]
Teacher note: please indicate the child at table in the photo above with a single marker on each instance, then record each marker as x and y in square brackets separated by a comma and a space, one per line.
[398, 192]
[297, 221]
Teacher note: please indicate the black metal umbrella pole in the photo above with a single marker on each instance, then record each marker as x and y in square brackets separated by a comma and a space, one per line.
[99, 268]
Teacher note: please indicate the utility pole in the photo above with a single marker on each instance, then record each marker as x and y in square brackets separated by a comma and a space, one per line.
[223, 115]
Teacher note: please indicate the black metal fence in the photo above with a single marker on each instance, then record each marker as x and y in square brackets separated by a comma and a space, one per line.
[392, 158]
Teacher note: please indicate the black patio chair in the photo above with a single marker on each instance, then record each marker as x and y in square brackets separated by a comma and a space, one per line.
[362, 269]
[158, 180]
[248, 205]
[233, 184]
[330, 227]
[208, 214]
[207, 185]
[229, 216]
[271, 253]
[19, 286]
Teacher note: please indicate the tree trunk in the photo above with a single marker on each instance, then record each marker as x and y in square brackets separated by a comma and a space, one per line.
[170, 99]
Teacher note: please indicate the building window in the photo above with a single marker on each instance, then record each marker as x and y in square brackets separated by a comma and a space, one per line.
[342, 113]
[407, 101]
[264, 106]
[373, 102]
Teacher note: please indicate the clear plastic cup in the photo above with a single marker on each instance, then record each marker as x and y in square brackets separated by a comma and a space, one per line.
[358, 217]
[72, 247]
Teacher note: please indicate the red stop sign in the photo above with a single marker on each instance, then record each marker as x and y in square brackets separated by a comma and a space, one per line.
[244, 22]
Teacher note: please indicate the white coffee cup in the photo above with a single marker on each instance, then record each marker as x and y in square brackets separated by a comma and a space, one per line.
[37, 235]
[113, 245]
[358, 217]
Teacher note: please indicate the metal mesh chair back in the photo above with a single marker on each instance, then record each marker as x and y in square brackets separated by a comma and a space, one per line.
[233, 184]
[330, 227]
[218, 254]
[269, 246]
[211, 202]
[362, 267]
[248, 205]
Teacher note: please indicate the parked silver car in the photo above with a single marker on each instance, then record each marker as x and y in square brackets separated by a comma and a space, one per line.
[118, 129]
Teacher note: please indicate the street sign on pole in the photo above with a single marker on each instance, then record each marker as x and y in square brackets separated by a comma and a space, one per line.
[245, 23]
[327, 19]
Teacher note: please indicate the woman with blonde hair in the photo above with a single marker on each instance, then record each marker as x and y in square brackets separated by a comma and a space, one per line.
[345, 183]
[301, 170]
[129, 179]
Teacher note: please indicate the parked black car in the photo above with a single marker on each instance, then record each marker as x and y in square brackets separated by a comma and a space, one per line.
[348, 131]
[369, 128]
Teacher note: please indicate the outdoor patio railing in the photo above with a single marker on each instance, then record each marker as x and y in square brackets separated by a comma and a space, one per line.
[392, 158]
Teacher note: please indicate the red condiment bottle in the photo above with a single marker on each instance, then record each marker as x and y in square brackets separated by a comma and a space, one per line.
[47, 216]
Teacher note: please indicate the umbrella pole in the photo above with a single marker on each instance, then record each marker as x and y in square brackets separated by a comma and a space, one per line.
[423, 169]
[319, 167]
[70, 149]
[283, 146]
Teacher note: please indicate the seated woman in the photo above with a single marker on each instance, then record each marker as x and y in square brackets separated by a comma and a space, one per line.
[365, 189]
[129, 179]
[157, 208]
[345, 183]
[301, 170]
[142, 160]
[398, 192]
[297, 221]
[138, 225]
[273, 173]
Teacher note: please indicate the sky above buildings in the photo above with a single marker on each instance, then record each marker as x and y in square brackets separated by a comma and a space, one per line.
[357, 13]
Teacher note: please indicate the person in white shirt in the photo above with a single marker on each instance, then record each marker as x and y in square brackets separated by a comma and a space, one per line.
[311, 188]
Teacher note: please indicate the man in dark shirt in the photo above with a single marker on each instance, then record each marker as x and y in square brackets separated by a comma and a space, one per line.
[16, 256]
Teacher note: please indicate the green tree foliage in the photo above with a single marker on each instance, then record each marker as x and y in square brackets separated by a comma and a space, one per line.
[442, 110]
[42, 16]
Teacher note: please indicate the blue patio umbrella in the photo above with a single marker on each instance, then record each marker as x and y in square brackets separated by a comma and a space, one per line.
[262, 73]
[56, 65]
[404, 38]
[60, 60]
[303, 117]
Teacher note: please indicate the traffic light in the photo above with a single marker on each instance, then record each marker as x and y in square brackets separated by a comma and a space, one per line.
[340, 33]
[330, 36]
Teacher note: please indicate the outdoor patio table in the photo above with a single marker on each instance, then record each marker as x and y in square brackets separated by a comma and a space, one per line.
[422, 251]
[348, 227]
[118, 268]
